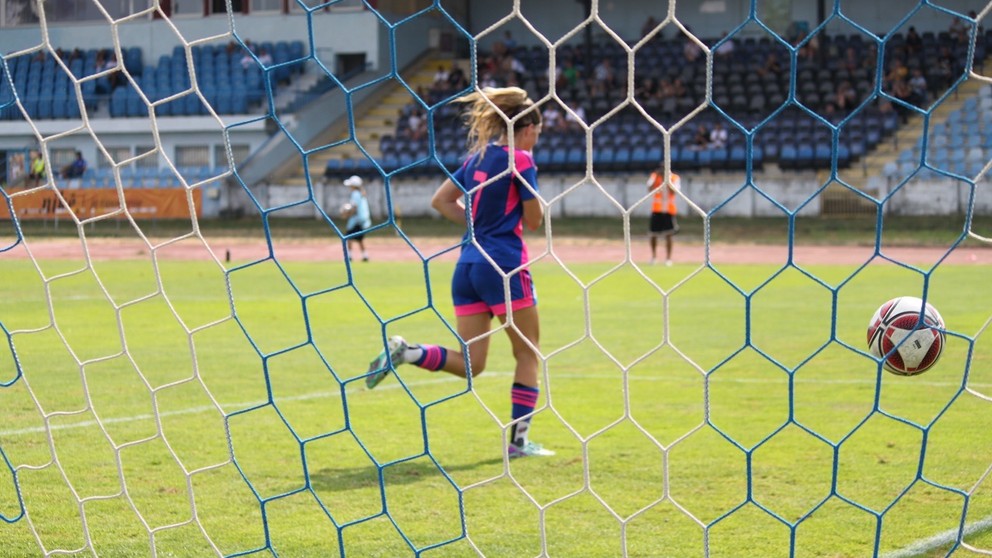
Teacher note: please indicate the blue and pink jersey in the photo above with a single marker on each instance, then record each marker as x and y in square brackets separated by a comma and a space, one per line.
[497, 207]
[497, 217]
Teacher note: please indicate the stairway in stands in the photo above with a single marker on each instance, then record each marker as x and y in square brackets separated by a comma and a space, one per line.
[842, 202]
[377, 121]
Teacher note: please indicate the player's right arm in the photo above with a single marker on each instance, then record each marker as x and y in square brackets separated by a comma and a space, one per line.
[533, 213]
[448, 201]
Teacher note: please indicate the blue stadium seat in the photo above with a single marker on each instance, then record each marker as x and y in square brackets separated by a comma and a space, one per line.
[575, 159]
[788, 157]
[843, 156]
[822, 155]
[559, 158]
[805, 154]
[737, 157]
[166, 178]
[542, 158]
[602, 159]
[719, 158]
[704, 158]
[621, 159]
[44, 107]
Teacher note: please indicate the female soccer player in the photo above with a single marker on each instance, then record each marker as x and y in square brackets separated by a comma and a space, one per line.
[499, 209]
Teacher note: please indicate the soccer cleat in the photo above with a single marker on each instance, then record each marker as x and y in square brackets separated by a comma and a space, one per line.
[382, 365]
[529, 449]
[668, 263]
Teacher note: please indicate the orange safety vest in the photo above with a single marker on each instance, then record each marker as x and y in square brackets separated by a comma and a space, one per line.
[664, 198]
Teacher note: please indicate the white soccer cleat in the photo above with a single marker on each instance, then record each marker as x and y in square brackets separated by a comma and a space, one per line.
[529, 449]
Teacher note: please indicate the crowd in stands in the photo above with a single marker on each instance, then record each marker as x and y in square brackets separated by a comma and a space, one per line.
[835, 85]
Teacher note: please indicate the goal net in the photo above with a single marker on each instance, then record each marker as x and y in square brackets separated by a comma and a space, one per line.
[188, 392]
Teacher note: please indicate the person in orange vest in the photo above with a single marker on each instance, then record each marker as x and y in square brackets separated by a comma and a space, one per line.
[663, 212]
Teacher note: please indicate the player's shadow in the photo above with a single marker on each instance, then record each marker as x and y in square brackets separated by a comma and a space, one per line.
[357, 478]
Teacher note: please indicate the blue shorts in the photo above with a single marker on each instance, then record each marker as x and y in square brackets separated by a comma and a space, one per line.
[477, 288]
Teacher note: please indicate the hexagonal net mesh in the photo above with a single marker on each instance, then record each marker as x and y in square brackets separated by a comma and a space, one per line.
[158, 398]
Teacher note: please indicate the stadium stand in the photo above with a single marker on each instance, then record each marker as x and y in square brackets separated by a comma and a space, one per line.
[228, 85]
[749, 85]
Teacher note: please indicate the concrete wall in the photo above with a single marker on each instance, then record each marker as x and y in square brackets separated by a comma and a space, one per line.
[335, 32]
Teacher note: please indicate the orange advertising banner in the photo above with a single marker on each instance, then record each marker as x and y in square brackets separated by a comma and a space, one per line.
[146, 203]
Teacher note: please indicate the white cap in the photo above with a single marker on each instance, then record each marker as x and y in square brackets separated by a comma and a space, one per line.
[353, 181]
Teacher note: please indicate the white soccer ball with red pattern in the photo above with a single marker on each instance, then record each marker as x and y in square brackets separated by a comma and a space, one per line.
[909, 333]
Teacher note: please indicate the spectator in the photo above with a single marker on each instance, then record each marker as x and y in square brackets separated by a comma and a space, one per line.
[648, 26]
[264, 58]
[718, 136]
[845, 97]
[701, 140]
[509, 42]
[805, 51]
[456, 79]
[902, 91]
[851, 59]
[552, 118]
[441, 76]
[575, 119]
[830, 113]
[648, 94]
[691, 50]
[246, 59]
[771, 67]
[76, 168]
[897, 71]
[568, 75]
[914, 43]
[947, 69]
[668, 96]
[958, 30]
[918, 86]
[487, 80]
[36, 172]
[726, 49]
[512, 69]
[14, 170]
[603, 78]
[974, 17]
[416, 125]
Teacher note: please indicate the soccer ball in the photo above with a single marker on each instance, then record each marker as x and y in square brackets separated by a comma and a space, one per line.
[917, 343]
[346, 210]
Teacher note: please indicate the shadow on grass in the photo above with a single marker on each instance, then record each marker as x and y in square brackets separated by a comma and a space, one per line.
[357, 478]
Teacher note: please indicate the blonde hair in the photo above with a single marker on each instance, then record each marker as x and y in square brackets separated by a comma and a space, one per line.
[487, 110]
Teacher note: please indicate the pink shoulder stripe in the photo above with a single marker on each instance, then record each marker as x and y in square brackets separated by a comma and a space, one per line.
[523, 159]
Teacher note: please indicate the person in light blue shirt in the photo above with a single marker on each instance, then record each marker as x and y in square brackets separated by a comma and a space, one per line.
[359, 217]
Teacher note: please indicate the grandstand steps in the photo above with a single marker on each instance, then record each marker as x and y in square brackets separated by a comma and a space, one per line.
[911, 132]
[840, 201]
[375, 121]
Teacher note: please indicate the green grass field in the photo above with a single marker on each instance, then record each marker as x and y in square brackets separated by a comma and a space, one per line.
[687, 413]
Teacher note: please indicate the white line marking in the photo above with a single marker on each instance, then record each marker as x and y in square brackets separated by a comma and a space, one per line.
[924, 546]
[446, 379]
[209, 408]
